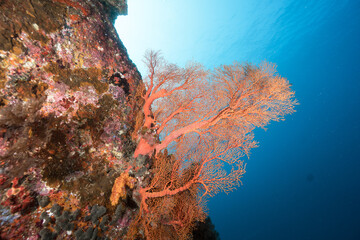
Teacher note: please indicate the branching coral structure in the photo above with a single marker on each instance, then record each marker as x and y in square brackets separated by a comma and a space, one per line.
[90, 150]
[206, 120]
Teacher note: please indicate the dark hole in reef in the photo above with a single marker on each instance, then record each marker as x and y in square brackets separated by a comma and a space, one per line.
[130, 202]
[2, 102]
[119, 80]
[59, 163]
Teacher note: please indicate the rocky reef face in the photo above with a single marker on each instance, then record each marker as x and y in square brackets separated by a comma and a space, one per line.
[70, 101]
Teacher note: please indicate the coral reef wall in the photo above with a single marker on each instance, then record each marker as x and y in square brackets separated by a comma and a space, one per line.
[69, 97]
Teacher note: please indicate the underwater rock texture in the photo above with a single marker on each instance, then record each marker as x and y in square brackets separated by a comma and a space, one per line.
[71, 117]
[69, 100]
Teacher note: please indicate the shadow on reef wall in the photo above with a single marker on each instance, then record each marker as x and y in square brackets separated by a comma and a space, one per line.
[205, 231]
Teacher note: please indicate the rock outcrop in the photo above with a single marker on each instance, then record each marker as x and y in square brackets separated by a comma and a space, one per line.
[69, 100]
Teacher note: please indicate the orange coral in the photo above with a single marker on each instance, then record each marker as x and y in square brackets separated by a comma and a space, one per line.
[207, 120]
[119, 188]
[190, 100]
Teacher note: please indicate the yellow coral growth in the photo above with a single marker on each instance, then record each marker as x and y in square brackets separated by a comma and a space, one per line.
[119, 187]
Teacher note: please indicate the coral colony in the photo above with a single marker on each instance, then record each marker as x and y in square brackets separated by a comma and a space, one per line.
[90, 150]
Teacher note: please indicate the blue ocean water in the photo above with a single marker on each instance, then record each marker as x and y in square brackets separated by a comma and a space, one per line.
[303, 182]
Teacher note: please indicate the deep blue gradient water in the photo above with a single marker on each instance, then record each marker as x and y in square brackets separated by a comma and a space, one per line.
[303, 182]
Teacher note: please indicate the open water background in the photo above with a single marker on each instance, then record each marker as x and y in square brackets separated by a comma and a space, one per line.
[303, 182]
